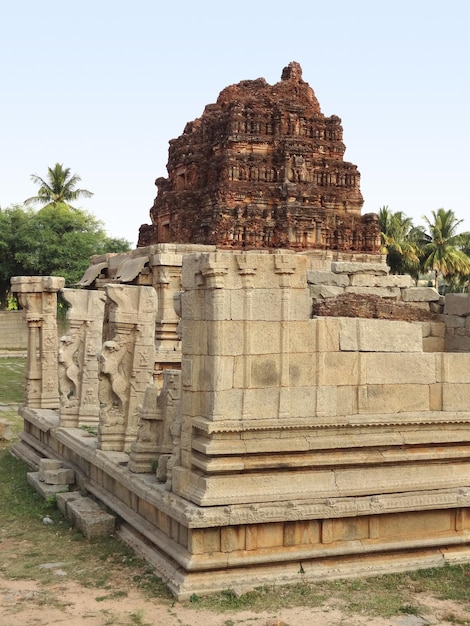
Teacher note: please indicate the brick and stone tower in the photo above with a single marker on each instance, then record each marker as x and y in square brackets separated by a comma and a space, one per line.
[262, 168]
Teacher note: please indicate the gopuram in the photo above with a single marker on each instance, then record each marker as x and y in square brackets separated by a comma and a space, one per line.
[262, 168]
[246, 414]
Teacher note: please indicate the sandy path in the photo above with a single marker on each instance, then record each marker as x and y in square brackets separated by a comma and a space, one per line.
[25, 603]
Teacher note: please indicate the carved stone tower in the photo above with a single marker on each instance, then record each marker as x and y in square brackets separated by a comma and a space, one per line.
[262, 168]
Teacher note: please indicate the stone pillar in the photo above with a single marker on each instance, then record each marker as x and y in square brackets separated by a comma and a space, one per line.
[38, 297]
[154, 443]
[126, 363]
[166, 280]
[78, 358]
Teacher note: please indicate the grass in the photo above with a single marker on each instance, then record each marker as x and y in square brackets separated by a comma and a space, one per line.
[109, 568]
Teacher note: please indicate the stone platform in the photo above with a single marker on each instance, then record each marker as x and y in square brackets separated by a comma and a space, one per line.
[203, 549]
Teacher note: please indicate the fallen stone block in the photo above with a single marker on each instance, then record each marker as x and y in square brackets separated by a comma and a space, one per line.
[90, 519]
[47, 465]
[60, 476]
[5, 431]
[45, 490]
[64, 498]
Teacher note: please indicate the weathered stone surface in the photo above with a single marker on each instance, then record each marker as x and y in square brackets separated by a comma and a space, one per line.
[45, 490]
[420, 294]
[318, 277]
[347, 267]
[90, 518]
[61, 476]
[379, 336]
[457, 304]
[260, 158]
[5, 431]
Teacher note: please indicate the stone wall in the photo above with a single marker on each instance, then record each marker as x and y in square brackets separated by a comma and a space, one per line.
[338, 444]
[457, 320]
[13, 330]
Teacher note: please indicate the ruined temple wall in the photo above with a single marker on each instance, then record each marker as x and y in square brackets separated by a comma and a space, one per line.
[265, 386]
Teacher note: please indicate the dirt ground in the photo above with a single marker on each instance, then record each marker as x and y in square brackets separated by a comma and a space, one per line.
[26, 603]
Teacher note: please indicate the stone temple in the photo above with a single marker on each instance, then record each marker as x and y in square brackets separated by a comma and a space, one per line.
[262, 168]
[246, 414]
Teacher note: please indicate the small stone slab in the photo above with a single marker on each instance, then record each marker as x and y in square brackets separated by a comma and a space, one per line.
[46, 491]
[60, 476]
[46, 465]
[90, 519]
[63, 500]
[5, 431]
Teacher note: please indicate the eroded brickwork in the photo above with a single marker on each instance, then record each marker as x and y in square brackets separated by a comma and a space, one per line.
[262, 168]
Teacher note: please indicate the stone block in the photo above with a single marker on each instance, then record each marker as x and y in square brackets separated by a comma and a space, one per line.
[259, 536]
[260, 403]
[457, 304]
[420, 294]
[319, 292]
[455, 321]
[300, 533]
[302, 370]
[61, 476]
[90, 519]
[456, 368]
[265, 370]
[457, 343]
[5, 431]
[63, 499]
[400, 368]
[45, 490]
[340, 368]
[327, 332]
[393, 398]
[298, 401]
[381, 292]
[371, 280]
[435, 397]
[347, 267]
[233, 538]
[370, 335]
[433, 344]
[213, 373]
[46, 465]
[327, 401]
[456, 397]
[302, 337]
[226, 404]
[318, 277]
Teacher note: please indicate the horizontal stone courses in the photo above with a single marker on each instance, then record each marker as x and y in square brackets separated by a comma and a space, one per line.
[344, 421]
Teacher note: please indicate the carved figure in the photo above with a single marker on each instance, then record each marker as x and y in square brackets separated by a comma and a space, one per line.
[68, 370]
[113, 395]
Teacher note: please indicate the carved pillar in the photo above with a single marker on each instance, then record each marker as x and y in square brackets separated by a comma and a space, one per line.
[38, 296]
[247, 271]
[156, 417]
[78, 358]
[166, 280]
[126, 363]
[284, 267]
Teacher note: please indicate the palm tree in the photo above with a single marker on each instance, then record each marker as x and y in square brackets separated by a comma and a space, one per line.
[399, 241]
[58, 188]
[443, 248]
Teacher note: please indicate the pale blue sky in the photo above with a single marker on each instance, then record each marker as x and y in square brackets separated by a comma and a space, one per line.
[103, 86]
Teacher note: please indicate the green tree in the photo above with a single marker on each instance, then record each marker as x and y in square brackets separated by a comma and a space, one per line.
[400, 242]
[58, 188]
[57, 240]
[443, 247]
